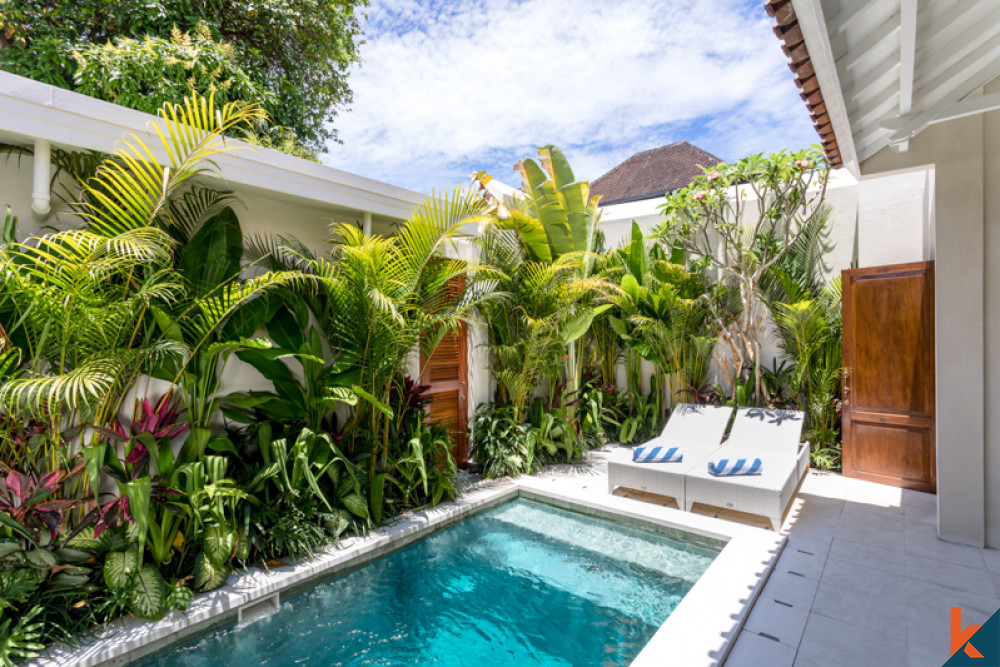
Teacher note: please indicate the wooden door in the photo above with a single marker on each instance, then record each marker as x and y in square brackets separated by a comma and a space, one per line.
[888, 388]
[447, 374]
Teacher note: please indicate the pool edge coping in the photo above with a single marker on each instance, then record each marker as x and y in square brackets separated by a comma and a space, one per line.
[700, 631]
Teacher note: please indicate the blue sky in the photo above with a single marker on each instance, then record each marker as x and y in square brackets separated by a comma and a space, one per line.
[449, 87]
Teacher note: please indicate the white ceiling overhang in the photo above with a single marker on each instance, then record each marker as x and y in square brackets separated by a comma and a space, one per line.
[890, 68]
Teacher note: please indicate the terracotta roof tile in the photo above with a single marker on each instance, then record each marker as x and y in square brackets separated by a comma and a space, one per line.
[653, 173]
[793, 44]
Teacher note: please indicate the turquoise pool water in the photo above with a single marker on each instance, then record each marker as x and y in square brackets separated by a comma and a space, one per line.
[525, 584]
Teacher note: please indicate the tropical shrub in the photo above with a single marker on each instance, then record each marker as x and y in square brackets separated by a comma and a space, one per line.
[806, 311]
[543, 242]
[376, 300]
[150, 285]
[499, 443]
[667, 314]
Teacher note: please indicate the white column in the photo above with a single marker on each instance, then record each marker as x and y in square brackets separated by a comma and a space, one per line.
[366, 223]
[40, 195]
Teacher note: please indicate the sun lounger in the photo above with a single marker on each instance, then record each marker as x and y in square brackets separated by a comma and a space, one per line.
[774, 437]
[696, 430]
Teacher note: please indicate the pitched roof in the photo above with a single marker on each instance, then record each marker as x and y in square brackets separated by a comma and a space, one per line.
[793, 44]
[652, 173]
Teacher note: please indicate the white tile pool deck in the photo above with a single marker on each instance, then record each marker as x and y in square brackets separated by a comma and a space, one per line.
[863, 580]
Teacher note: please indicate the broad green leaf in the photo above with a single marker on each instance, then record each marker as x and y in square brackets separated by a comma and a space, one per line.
[382, 407]
[573, 328]
[69, 580]
[8, 546]
[120, 567]
[356, 504]
[94, 456]
[376, 493]
[72, 556]
[41, 558]
[138, 492]
[149, 593]
[207, 575]
[221, 443]
[219, 544]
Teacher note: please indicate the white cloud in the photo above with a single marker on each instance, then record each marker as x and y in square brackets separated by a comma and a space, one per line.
[450, 87]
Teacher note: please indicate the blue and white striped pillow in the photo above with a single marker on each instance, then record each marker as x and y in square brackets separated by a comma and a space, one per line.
[732, 467]
[657, 454]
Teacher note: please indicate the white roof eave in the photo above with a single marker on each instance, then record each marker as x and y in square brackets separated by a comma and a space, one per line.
[814, 30]
[34, 110]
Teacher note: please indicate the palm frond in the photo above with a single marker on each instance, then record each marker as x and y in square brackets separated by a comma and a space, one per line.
[132, 190]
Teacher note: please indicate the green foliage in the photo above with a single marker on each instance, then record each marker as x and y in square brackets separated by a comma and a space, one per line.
[293, 56]
[543, 242]
[377, 299]
[426, 468]
[639, 420]
[499, 442]
[807, 315]
[140, 585]
[149, 72]
[667, 314]
[306, 387]
[20, 640]
[551, 434]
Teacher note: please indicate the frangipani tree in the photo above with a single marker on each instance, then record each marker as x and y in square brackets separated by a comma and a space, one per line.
[740, 219]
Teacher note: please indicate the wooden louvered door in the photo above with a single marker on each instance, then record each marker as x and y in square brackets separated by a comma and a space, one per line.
[889, 391]
[447, 374]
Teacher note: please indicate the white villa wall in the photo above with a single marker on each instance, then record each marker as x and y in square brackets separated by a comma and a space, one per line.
[884, 219]
[965, 243]
[896, 217]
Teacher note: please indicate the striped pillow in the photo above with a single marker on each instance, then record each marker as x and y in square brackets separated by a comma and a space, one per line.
[731, 467]
[658, 454]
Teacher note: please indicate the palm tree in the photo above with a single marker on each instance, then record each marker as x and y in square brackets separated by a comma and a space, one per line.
[380, 298]
[80, 304]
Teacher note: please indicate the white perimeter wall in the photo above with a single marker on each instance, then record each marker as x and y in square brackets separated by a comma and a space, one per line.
[883, 219]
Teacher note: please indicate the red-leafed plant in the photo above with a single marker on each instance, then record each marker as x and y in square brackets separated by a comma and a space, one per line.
[27, 500]
[148, 454]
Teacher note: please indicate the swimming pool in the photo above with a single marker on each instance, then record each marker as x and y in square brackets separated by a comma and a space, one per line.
[525, 584]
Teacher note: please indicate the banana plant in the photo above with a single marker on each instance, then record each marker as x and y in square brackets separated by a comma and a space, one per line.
[554, 222]
[306, 396]
[555, 215]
